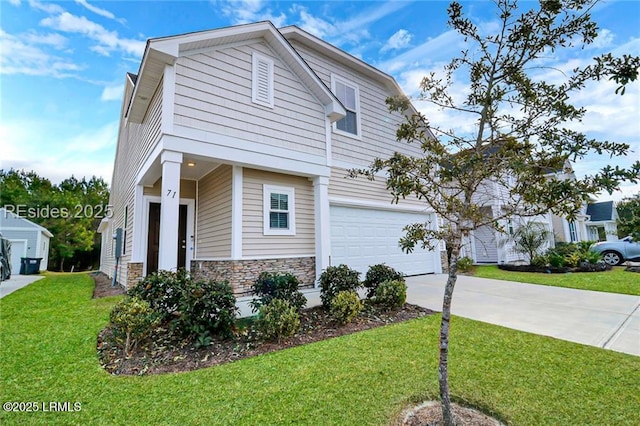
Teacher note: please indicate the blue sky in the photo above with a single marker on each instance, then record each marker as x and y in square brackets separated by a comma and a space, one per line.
[62, 66]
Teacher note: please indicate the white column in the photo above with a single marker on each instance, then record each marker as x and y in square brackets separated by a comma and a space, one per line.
[322, 223]
[139, 242]
[169, 210]
[236, 212]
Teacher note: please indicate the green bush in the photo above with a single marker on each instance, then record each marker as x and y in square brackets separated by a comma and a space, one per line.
[378, 274]
[391, 294]
[572, 255]
[335, 279]
[465, 264]
[132, 319]
[540, 260]
[207, 306]
[271, 286]
[163, 290]
[277, 320]
[196, 309]
[345, 307]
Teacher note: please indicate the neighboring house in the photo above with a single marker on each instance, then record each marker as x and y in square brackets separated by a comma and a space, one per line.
[597, 222]
[27, 239]
[232, 159]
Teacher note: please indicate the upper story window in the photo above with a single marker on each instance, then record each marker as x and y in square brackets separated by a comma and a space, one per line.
[262, 80]
[279, 210]
[349, 95]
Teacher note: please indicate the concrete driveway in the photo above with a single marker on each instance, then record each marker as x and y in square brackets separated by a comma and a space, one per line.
[17, 282]
[605, 320]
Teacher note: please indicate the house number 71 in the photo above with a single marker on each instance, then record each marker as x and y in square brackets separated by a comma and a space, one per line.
[171, 193]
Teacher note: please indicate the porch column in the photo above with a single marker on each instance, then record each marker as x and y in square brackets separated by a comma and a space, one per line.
[322, 223]
[138, 249]
[236, 213]
[169, 210]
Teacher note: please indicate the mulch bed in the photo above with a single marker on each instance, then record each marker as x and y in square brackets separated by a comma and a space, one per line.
[164, 352]
[103, 286]
[554, 270]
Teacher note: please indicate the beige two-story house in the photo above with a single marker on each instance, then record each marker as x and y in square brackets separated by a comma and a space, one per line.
[232, 159]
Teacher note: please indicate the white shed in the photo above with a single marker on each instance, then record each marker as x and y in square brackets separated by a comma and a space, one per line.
[28, 239]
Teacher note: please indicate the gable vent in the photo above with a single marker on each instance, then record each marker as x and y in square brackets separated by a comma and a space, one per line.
[262, 84]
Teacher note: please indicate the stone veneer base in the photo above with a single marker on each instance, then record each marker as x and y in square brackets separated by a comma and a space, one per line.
[134, 273]
[241, 274]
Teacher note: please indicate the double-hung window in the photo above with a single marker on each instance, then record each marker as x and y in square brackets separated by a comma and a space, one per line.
[349, 95]
[279, 210]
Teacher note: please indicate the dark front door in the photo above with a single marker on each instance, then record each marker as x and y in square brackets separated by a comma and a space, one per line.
[153, 242]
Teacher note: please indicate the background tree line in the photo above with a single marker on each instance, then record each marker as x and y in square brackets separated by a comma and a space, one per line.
[75, 243]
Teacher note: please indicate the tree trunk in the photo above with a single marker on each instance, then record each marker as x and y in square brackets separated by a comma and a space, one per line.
[62, 264]
[443, 366]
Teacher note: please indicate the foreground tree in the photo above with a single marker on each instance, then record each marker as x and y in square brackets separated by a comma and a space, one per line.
[521, 135]
[629, 217]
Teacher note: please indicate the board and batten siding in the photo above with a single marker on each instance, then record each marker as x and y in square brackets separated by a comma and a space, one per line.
[362, 189]
[255, 243]
[213, 93]
[378, 124]
[136, 141]
[213, 227]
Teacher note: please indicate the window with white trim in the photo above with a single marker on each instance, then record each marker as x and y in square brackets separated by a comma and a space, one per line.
[262, 80]
[279, 210]
[349, 95]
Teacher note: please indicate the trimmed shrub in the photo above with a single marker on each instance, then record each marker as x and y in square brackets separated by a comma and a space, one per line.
[277, 320]
[193, 308]
[132, 319]
[345, 307]
[335, 279]
[207, 307]
[378, 274]
[465, 264]
[163, 290]
[271, 286]
[391, 294]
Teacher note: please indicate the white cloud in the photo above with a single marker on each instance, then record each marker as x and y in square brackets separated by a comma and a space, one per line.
[19, 55]
[99, 11]
[604, 40]
[399, 40]
[247, 11]
[46, 7]
[54, 40]
[108, 41]
[112, 93]
[15, 2]
[29, 145]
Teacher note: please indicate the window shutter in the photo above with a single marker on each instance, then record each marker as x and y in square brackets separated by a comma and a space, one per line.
[262, 80]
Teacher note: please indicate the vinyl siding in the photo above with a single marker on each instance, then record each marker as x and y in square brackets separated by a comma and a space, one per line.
[213, 228]
[363, 189]
[254, 242]
[213, 93]
[378, 124]
[135, 143]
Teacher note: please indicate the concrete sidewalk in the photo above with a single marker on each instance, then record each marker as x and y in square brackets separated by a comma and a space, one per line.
[605, 320]
[16, 282]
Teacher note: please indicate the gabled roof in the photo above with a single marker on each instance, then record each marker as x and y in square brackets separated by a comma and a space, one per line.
[10, 220]
[164, 50]
[601, 211]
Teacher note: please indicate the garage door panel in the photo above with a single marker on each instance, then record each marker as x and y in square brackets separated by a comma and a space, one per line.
[364, 237]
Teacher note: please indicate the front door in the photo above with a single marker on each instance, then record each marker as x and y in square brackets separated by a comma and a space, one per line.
[153, 242]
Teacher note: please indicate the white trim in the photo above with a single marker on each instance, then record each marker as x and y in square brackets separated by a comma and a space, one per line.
[328, 143]
[138, 246]
[168, 99]
[365, 204]
[244, 152]
[236, 211]
[267, 190]
[322, 219]
[338, 79]
[258, 79]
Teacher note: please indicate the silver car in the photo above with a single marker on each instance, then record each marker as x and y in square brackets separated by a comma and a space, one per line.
[616, 252]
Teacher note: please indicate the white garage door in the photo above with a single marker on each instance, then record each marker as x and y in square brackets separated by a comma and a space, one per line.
[364, 237]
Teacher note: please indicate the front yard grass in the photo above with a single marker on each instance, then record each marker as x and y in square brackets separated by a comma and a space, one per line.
[48, 354]
[616, 280]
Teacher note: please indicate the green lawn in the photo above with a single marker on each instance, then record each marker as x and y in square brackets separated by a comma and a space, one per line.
[47, 353]
[616, 280]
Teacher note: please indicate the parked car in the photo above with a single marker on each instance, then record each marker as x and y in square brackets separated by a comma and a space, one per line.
[5, 258]
[616, 252]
